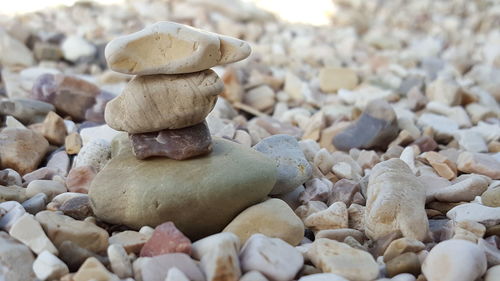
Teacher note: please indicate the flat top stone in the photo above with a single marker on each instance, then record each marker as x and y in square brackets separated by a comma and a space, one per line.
[172, 49]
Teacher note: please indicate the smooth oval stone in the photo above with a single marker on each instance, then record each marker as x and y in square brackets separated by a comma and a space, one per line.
[376, 128]
[157, 102]
[201, 195]
[172, 49]
[177, 144]
[21, 150]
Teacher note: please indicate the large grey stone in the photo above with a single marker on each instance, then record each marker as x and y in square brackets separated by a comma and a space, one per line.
[293, 168]
[201, 196]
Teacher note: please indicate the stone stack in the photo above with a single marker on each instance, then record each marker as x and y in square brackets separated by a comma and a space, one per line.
[163, 108]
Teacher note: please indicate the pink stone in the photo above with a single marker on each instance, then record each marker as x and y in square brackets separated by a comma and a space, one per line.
[79, 179]
[177, 144]
[166, 239]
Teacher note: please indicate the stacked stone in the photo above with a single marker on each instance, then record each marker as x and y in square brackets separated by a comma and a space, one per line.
[163, 108]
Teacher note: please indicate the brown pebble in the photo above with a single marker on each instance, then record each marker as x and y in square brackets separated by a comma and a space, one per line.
[166, 239]
[77, 208]
[80, 178]
[73, 143]
[405, 263]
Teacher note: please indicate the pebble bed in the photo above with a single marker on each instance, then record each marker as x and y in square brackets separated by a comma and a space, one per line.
[365, 149]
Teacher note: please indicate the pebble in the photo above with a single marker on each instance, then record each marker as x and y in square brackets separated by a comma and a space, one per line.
[191, 50]
[239, 178]
[178, 144]
[47, 266]
[218, 255]
[334, 217]
[131, 241]
[60, 228]
[174, 274]
[375, 128]
[77, 207]
[444, 90]
[273, 257]
[395, 201]
[73, 143]
[75, 48]
[119, 261]
[344, 191]
[293, 168]
[74, 256]
[316, 189]
[444, 127]
[471, 141]
[441, 164]
[335, 257]
[475, 212]
[54, 129]
[261, 98]
[95, 154]
[401, 246]
[157, 268]
[13, 52]
[17, 260]
[21, 150]
[29, 231]
[50, 188]
[479, 163]
[404, 263]
[59, 161]
[166, 239]
[70, 95]
[323, 277]
[93, 269]
[340, 234]
[80, 178]
[280, 222]
[28, 111]
[493, 273]
[332, 79]
[36, 203]
[491, 197]
[455, 260]
[12, 193]
[10, 177]
[12, 211]
[103, 132]
[466, 189]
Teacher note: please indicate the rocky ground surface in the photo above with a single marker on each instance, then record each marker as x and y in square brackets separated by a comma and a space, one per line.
[384, 127]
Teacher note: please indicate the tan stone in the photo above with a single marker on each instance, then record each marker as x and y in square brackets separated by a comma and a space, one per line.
[332, 79]
[273, 218]
[261, 98]
[132, 241]
[92, 269]
[73, 143]
[480, 163]
[60, 228]
[54, 129]
[469, 230]
[334, 217]
[329, 133]
[172, 49]
[140, 108]
[401, 246]
[441, 164]
[405, 263]
[27, 230]
[21, 150]
[335, 257]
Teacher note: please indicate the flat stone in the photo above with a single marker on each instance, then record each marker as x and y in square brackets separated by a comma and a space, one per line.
[49, 267]
[70, 95]
[27, 111]
[93, 269]
[132, 241]
[275, 127]
[85, 234]
[77, 207]
[475, 212]
[188, 50]
[273, 218]
[74, 256]
[119, 261]
[166, 187]
[456, 260]
[404, 263]
[401, 246]
[444, 127]
[467, 189]
[332, 79]
[293, 168]
[43, 173]
[13, 193]
[21, 150]
[157, 268]
[218, 255]
[340, 234]
[190, 97]
[443, 166]
[178, 144]
[29, 231]
[59, 161]
[17, 259]
[36, 203]
[479, 163]
[375, 128]
[54, 129]
[273, 257]
[444, 90]
[80, 178]
[491, 197]
[395, 201]
[334, 217]
[344, 191]
[335, 257]
[48, 187]
[11, 212]
[166, 239]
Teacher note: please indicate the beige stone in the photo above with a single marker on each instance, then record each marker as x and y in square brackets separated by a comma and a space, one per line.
[466, 188]
[469, 230]
[335, 257]
[73, 143]
[395, 201]
[92, 269]
[480, 163]
[51, 188]
[401, 246]
[357, 216]
[334, 217]
[27, 230]
[21, 150]
[172, 49]
[131, 240]
[332, 79]
[141, 106]
[260, 98]
[54, 129]
[60, 228]
[273, 218]
[441, 164]
[444, 90]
